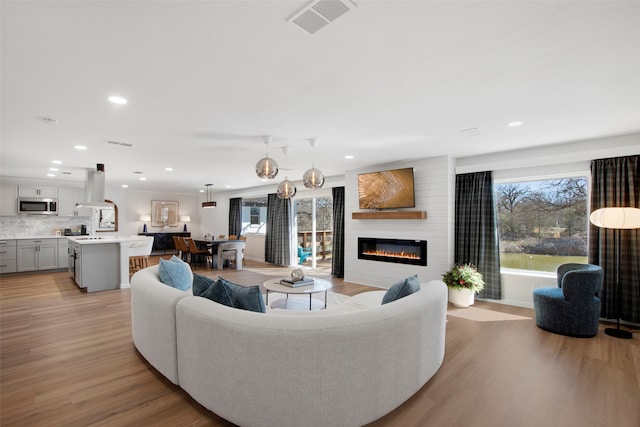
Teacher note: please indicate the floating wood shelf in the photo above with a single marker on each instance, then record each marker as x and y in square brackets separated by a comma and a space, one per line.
[390, 215]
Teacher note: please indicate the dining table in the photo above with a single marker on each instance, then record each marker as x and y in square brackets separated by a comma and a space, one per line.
[212, 245]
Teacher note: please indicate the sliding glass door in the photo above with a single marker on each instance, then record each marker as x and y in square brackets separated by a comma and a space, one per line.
[314, 225]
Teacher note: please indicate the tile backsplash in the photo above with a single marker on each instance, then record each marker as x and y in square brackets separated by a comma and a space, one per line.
[12, 227]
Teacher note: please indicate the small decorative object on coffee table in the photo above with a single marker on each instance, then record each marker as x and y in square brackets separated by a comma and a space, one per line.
[315, 286]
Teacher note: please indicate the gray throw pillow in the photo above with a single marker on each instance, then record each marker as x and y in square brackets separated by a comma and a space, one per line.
[245, 297]
[175, 273]
[402, 289]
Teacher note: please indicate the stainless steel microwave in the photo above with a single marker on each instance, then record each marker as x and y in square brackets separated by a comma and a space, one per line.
[37, 206]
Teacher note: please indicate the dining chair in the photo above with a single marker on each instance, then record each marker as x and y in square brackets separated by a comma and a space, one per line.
[244, 239]
[221, 236]
[232, 252]
[197, 254]
[233, 237]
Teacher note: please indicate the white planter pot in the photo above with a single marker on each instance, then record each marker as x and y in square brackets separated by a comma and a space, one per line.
[461, 297]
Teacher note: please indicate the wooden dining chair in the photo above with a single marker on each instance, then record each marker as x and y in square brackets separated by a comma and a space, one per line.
[221, 236]
[233, 237]
[181, 246]
[197, 253]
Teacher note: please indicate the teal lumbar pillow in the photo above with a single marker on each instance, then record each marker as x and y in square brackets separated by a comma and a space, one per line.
[402, 289]
[211, 289]
[175, 273]
[244, 297]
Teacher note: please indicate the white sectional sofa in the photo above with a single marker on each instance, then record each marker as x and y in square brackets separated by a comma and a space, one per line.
[345, 366]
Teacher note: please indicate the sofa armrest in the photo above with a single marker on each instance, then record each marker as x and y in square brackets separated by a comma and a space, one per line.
[153, 320]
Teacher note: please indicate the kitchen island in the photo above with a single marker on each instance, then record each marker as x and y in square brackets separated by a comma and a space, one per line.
[99, 263]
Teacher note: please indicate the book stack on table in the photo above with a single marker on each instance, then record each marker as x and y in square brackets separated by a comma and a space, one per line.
[297, 283]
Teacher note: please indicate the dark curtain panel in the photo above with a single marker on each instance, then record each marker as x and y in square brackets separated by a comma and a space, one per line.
[476, 229]
[235, 216]
[615, 182]
[278, 233]
[337, 260]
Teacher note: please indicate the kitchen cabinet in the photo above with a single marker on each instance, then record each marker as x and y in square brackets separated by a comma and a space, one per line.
[7, 256]
[67, 199]
[63, 252]
[8, 200]
[37, 254]
[32, 191]
[96, 266]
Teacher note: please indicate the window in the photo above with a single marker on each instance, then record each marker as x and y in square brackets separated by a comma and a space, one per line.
[254, 215]
[542, 224]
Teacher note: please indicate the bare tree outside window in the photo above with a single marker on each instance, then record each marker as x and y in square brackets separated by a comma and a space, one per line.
[542, 224]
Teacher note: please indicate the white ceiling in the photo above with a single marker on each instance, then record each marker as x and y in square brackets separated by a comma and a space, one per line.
[387, 81]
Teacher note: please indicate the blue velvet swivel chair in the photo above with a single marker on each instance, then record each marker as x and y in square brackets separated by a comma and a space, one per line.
[572, 308]
[303, 254]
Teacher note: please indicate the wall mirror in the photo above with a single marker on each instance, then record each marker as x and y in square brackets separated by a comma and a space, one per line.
[164, 213]
[107, 218]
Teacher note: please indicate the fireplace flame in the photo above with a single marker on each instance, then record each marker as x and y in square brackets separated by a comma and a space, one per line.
[405, 255]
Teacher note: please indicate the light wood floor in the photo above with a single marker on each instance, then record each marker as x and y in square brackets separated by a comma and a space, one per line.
[67, 359]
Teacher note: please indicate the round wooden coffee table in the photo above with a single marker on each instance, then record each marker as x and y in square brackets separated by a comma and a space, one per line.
[319, 285]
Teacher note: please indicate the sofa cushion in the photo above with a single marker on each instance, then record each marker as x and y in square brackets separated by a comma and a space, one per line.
[175, 273]
[402, 289]
[245, 297]
[211, 289]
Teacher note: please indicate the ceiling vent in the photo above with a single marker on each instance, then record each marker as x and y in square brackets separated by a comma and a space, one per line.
[318, 14]
[470, 132]
[124, 144]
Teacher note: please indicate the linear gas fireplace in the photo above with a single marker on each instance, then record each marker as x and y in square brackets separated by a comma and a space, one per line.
[412, 252]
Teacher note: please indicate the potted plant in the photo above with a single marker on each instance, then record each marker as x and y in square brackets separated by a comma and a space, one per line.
[463, 281]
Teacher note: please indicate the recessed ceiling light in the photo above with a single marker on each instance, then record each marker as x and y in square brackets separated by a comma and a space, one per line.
[515, 124]
[56, 162]
[227, 186]
[169, 169]
[80, 147]
[202, 191]
[349, 156]
[53, 169]
[142, 178]
[51, 174]
[125, 186]
[117, 100]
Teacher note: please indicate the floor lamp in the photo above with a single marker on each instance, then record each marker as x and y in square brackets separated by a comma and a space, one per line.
[617, 219]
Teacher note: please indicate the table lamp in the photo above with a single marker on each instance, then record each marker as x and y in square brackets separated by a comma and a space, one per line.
[185, 219]
[145, 218]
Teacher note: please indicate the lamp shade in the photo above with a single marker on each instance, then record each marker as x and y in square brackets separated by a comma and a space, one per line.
[145, 218]
[185, 218]
[616, 218]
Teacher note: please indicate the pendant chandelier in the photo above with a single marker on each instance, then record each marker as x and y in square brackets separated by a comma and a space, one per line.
[286, 189]
[209, 203]
[267, 167]
[313, 178]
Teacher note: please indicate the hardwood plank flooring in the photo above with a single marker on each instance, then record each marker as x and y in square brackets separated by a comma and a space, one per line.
[67, 359]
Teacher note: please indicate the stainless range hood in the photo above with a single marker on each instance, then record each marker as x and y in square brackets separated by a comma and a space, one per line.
[94, 189]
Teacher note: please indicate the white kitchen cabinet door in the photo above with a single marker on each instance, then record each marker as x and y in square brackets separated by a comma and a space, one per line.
[43, 192]
[8, 200]
[27, 258]
[67, 199]
[47, 257]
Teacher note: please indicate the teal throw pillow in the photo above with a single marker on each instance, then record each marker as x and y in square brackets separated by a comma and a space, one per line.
[175, 273]
[402, 289]
[211, 289]
[244, 297]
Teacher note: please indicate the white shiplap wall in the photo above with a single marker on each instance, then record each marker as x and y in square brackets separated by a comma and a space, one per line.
[434, 184]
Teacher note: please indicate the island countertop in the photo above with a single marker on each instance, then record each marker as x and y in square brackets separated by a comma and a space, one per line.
[93, 240]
